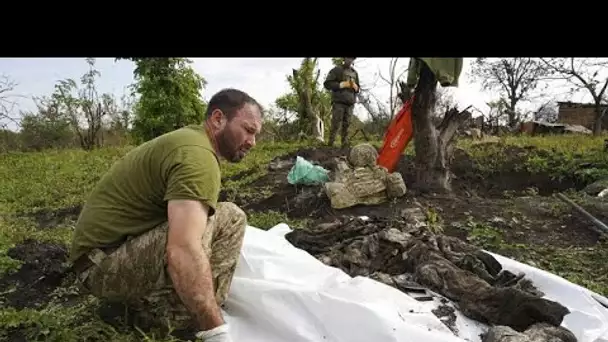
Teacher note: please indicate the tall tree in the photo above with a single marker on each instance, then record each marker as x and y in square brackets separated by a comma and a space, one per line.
[515, 79]
[433, 143]
[307, 97]
[585, 74]
[169, 92]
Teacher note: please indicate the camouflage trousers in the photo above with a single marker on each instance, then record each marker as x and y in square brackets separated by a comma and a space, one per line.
[340, 118]
[136, 273]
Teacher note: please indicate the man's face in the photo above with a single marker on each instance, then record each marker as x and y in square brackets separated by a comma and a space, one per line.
[348, 61]
[237, 136]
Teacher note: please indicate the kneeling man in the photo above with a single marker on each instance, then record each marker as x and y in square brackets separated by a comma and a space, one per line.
[152, 235]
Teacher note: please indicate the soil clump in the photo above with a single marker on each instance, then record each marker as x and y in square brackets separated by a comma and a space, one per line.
[42, 271]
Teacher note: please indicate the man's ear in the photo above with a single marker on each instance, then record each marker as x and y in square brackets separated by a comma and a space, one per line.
[218, 119]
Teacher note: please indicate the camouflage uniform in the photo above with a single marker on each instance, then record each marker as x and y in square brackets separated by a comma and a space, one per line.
[136, 272]
[343, 101]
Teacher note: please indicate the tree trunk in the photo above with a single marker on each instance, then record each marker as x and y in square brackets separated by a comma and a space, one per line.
[307, 121]
[433, 145]
[599, 116]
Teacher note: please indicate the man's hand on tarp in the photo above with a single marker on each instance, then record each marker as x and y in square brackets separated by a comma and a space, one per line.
[217, 334]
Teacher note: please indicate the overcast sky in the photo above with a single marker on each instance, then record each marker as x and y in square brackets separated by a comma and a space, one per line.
[263, 78]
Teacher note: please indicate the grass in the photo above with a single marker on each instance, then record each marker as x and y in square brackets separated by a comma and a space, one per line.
[34, 182]
[581, 265]
[559, 156]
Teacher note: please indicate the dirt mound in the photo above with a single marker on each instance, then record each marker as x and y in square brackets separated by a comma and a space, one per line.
[404, 255]
[470, 178]
[41, 272]
[510, 175]
[323, 156]
[296, 201]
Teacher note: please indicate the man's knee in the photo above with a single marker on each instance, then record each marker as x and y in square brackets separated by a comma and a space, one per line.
[232, 209]
[231, 216]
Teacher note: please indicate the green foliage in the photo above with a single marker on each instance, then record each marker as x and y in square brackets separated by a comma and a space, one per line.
[48, 128]
[580, 265]
[170, 96]
[289, 101]
[559, 156]
[9, 140]
[270, 218]
[306, 85]
[83, 105]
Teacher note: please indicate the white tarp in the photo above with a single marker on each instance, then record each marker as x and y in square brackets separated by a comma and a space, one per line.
[281, 293]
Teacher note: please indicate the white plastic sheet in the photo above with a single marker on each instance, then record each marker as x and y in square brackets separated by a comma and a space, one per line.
[281, 293]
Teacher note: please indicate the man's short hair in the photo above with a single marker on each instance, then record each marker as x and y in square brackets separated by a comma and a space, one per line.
[229, 101]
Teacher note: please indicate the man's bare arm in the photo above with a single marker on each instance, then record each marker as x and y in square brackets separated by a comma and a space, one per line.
[188, 264]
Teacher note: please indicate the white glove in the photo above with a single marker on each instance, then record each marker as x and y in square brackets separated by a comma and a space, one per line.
[217, 334]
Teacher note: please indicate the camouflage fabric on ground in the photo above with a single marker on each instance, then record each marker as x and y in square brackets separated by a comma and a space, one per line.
[540, 332]
[362, 181]
[403, 253]
[136, 273]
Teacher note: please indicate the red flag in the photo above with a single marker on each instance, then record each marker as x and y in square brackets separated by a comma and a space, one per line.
[396, 138]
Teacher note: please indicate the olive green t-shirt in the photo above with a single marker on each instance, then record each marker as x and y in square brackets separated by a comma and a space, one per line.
[131, 198]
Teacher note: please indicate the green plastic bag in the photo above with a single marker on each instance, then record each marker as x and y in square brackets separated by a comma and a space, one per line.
[304, 172]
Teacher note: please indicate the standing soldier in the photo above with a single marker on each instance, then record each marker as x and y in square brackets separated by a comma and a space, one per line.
[343, 82]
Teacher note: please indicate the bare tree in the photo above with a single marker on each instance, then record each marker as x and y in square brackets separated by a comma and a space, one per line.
[444, 102]
[7, 101]
[547, 112]
[87, 105]
[394, 75]
[584, 74]
[515, 79]
[378, 111]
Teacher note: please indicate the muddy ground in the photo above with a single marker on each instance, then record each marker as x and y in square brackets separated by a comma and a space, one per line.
[523, 217]
[530, 217]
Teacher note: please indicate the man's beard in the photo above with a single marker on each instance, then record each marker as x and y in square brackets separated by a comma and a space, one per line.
[225, 143]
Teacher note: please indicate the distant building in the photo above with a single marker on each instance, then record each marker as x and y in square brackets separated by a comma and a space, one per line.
[583, 114]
